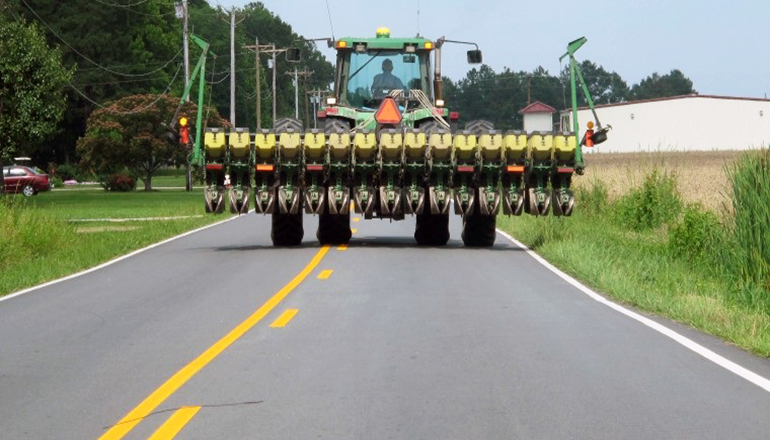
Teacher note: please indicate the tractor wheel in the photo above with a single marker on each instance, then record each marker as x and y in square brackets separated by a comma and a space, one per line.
[479, 230]
[333, 124]
[479, 126]
[284, 124]
[287, 229]
[334, 229]
[432, 229]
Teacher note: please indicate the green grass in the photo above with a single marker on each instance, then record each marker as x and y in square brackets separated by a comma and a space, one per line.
[97, 203]
[749, 259]
[662, 260]
[165, 182]
[40, 230]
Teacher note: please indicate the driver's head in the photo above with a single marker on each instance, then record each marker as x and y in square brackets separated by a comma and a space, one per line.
[387, 65]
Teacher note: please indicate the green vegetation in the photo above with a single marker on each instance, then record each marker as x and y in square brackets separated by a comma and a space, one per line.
[498, 96]
[118, 49]
[119, 141]
[41, 242]
[647, 250]
[32, 81]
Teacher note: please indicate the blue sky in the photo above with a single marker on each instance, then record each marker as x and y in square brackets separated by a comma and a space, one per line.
[723, 47]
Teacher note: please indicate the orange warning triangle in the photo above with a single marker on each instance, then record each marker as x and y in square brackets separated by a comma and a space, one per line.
[388, 112]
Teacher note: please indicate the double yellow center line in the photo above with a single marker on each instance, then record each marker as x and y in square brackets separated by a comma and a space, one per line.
[148, 405]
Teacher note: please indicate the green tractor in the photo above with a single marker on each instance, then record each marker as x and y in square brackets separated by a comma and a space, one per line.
[388, 147]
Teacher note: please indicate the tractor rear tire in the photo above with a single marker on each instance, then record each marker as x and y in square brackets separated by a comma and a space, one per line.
[287, 229]
[432, 229]
[479, 230]
[334, 229]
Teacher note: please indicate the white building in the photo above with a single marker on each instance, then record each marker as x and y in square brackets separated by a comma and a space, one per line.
[538, 117]
[680, 123]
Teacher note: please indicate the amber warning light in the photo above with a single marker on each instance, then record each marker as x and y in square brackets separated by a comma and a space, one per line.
[388, 112]
[184, 131]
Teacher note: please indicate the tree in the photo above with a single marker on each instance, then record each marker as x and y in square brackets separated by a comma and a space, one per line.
[115, 48]
[123, 48]
[656, 86]
[32, 81]
[605, 87]
[130, 134]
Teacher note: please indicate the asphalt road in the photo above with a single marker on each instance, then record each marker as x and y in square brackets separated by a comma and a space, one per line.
[386, 341]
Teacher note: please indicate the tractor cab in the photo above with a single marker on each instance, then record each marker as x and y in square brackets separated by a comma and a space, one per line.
[368, 70]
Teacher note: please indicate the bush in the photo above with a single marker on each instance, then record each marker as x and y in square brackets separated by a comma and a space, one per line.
[120, 182]
[67, 172]
[698, 237]
[656, 203]
[750, 259]
[29, 232]
[57, 182]
[593, 199]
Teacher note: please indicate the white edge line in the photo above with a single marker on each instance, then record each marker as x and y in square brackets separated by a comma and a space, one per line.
[111, 262]
[688, 343]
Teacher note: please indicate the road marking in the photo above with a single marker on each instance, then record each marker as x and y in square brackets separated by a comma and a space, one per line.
[353, 231]
[356, 219]
[116, 260]
[342, 247]
[686, 342]
[325, 274]
[175, 423]
[140, 219]
[284, 318]
[130, 420]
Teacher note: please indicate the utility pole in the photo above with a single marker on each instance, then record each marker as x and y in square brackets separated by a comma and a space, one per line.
[529, 87]
[296, 95]
[182, 12]
[258, 83]
[269, 49]
[315, 98]
[275, 68]
[186, 46]
[232, 65]
[305, 74]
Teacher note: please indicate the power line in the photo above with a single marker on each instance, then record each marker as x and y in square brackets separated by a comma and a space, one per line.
[121, 82]
[136, 110]
[130, 75]
[117, 5]
[213, 83]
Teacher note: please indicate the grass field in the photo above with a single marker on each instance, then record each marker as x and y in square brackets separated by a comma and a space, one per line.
[658, 231]
[57, 233]
[700, 175]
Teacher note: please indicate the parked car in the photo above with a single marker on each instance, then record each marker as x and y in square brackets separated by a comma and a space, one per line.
[25, 180]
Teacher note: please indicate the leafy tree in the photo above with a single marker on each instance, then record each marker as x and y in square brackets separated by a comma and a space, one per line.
[605, 87]
[498, 97]
[130, 134]
[125, 48]
[116, 50]
[31, 82]
[657, 86]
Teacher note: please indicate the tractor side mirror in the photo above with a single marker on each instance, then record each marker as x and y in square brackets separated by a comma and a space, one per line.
[293, 55]
[474, 57]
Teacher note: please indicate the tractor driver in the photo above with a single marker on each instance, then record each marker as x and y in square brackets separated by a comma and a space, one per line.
[385, 82]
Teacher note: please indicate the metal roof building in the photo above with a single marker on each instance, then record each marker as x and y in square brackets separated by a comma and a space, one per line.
[680, 123]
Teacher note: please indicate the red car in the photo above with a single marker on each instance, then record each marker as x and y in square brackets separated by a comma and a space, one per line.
[25, 180]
